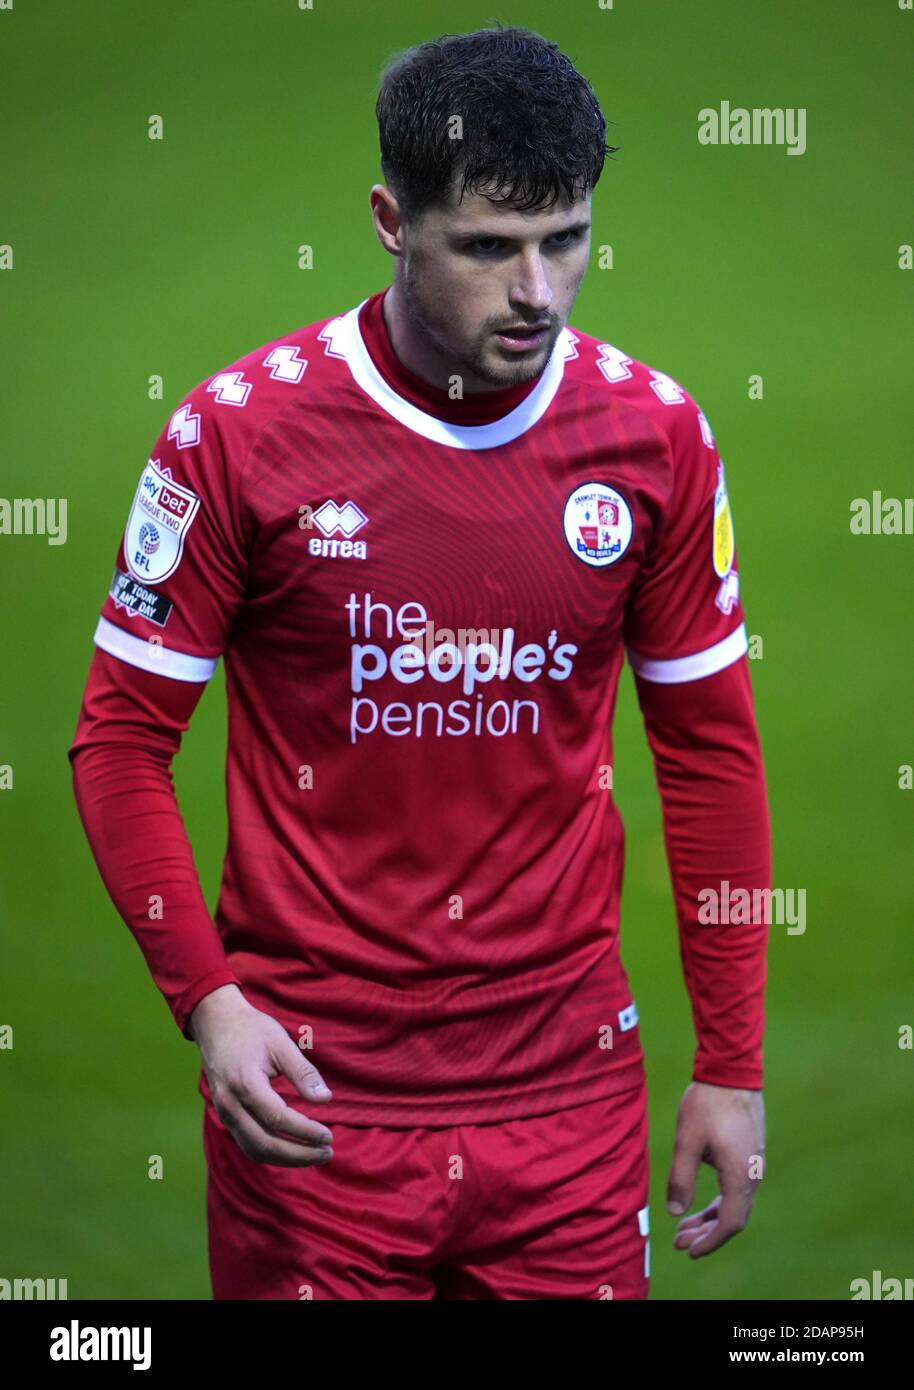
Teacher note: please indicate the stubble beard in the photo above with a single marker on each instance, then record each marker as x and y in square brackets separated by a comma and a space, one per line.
[471, 359]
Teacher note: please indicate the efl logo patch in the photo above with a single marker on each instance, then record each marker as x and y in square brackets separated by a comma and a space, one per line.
[724, 544]
[159, 520]
[598, 524]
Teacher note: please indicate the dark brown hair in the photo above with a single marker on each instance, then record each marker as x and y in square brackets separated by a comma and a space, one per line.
[530, 125]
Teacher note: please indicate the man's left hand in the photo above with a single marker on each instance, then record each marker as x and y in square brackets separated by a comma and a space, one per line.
[723, 1126]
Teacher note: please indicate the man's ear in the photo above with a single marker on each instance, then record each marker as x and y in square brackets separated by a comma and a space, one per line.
[387, 219]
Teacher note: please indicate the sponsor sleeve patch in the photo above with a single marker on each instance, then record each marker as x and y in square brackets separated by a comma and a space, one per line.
[723, 542]
[139, 601]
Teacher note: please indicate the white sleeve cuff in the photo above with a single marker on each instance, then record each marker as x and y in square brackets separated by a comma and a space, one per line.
[152, 656]
[691, 668]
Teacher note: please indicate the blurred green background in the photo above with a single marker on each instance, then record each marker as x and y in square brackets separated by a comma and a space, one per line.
[135, 257]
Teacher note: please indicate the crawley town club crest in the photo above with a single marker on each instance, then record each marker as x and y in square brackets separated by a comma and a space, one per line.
[598, 524]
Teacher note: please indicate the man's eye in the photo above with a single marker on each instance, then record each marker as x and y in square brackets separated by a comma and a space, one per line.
[571, 235]
[490, 245]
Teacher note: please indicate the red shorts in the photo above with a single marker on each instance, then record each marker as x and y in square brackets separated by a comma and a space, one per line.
[546, 1208]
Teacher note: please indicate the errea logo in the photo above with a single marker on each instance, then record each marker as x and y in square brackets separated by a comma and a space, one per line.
[339, 525]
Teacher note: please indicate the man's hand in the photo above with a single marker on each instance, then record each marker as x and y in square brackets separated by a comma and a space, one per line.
[725, 1127]
[242, 1048]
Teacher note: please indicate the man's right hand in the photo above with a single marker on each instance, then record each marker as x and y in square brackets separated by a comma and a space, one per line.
[241, 1049]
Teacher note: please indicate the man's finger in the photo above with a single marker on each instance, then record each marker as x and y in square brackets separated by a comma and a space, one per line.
[303, 1074]
[699, 1218]
[732, 1216]
[680, 1188]
[256, 1096]
[262, 1147]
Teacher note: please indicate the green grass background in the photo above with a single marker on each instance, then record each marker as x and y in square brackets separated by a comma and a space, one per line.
[135, 257]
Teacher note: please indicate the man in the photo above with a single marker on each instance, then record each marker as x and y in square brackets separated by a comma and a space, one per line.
[422, 534]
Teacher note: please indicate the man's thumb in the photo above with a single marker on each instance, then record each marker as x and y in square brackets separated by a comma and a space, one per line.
[303, 1074]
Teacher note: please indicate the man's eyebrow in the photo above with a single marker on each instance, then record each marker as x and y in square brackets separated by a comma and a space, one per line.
[480, 234]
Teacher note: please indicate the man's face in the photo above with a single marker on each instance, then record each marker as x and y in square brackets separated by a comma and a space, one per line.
[477, 277]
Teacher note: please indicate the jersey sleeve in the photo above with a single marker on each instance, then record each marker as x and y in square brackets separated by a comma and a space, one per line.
[684, 617]
[181, 568]
[685, 634]
[716, 822]
[130, 728]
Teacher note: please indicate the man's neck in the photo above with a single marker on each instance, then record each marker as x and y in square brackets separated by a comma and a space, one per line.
[469, 408]
[421, 356]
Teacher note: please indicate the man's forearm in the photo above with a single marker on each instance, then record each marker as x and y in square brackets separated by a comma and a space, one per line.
[121, 759]
[711, 780]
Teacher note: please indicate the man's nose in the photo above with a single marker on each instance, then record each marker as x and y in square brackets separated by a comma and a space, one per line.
[531, 288]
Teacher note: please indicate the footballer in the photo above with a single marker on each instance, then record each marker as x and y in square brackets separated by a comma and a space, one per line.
[423, 535]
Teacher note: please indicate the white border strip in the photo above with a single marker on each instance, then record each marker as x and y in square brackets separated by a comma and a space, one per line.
[691, 668]
[150, 656]
[344, 339]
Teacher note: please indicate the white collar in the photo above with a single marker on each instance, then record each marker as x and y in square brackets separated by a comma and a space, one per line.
[342, 337]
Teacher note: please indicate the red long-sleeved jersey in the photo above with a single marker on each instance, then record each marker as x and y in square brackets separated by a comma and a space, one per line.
[423, 606]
